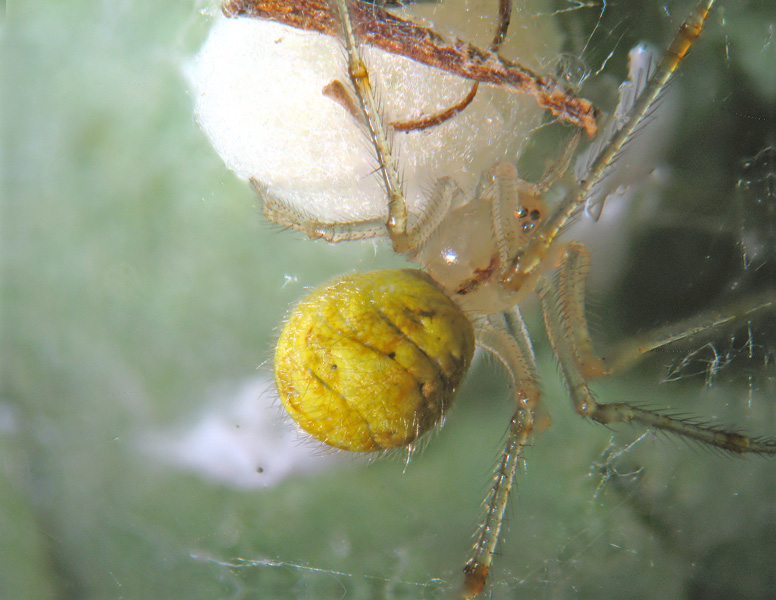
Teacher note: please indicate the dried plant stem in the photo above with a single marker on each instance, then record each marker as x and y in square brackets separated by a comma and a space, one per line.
[377, 27]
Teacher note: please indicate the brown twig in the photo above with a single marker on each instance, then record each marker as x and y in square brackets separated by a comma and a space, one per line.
[436, 118]
[379, 28]
[504, 16]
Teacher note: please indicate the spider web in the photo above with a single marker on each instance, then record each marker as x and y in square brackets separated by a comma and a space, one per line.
[141, 290]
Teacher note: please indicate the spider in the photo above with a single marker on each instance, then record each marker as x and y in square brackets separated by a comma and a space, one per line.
[371, 361]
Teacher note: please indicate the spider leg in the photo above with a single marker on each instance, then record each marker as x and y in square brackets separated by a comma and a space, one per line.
[511, 345]
[561, 317]
[446, 193]
[508, 196]
[632, 349]
[396, 223]
[503, 187]
[286, 215]
[524, 265]
[555, 169]
[570, 285]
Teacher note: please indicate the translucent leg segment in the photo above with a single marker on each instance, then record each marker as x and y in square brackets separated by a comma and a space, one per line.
[527, 262]
[446, 192]
[512, 346]
[560, 325]
[359, 76]
[286, 215]
[697, 326]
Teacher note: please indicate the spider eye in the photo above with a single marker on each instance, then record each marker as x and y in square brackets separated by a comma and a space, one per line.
[401, 348]
[535, 215]
[522, 212]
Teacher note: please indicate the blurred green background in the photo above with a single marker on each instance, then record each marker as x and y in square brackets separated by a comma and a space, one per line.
[141, 285]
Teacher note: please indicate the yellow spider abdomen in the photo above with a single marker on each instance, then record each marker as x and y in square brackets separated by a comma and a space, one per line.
[371, 360]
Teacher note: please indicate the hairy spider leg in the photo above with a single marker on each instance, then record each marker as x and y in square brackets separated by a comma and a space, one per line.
[505, 337]
[359, 76]
[569, 287]
[631, 350]
[563, 309]
[525, 266]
